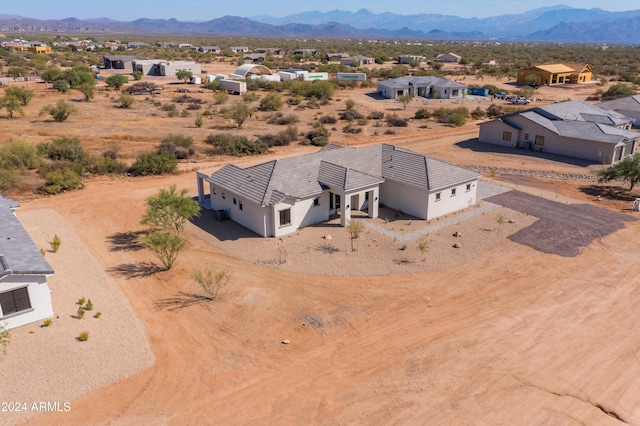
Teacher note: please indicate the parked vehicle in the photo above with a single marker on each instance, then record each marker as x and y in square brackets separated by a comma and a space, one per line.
[499, 95]
[520, 101]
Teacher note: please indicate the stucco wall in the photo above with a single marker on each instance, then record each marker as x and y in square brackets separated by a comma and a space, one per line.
[39, 296]
[450, 203]
[251, 216]
[410, 199]
[303, 213]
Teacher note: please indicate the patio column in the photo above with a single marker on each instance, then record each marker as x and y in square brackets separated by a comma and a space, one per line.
[200, 188]
[372, 209]
[345, 210]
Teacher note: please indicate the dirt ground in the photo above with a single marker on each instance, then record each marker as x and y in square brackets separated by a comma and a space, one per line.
[510, 335]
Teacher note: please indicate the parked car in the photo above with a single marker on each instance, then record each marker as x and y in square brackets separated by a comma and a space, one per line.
[520, 101]
[499, 95]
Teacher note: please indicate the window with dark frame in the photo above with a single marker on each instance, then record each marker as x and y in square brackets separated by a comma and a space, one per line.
[453, 192]
[15, 301]
[468, 187]
[223, 196]
[438, 196]
[539, 140]
[506, 136]
[235, 201]
[240, 205]
[316, 202]
[285, 217]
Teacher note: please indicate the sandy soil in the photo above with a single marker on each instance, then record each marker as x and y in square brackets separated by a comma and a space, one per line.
[505, 335]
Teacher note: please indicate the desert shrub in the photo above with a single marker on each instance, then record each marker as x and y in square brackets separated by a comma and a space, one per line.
[61, 86]
[394, 121]
[153, 163]
[375, 115]
[55, 243]
[171, 109]
[294, 100]
[389, 132]
[47, 322]
[456, 117]
[250, 97]
[328, 119]
[60, 111]
[318, 132]
[494, 111]
[19, 155]
[350, 103]
[180, 146]
[351, 115]
[83, 336]
[237, 146]
[81, 301]
[271, 102]
[104, 165]
[618, 90]
[283, 120]
[351, 129]
[478, 113]
[65, 149]
[97, 314]
[5, 338]
[137, 75]
[313, 89]
[9, 179]
[194, 106]
[422, 114]
[278, 139]
[64, 179]
[221, 98]
[126, 100]
[89, 305]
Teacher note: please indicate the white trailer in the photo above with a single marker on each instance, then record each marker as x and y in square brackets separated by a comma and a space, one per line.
[313, 76]
[234, 86]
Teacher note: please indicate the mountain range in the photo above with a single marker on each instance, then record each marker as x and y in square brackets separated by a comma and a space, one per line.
[551, 24]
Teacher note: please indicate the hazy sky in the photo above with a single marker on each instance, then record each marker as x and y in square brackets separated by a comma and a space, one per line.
[203, 10]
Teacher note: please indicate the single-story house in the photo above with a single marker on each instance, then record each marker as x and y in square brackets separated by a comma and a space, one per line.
[24, 293]
[306, 52]
[146, 66]
[275, 51]
[551, 74]
[336, 56]
[165, 44]
[136, 44]
[407, 59]
[118, 62]
[428, 87]
[209, 49]
[278, 197]
[628, 106]
[254, 58]
[448, 57]
[362, 60]
[167, 68]
[236, 49]
[574, 129]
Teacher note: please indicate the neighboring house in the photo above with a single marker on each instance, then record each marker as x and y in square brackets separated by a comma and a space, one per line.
[275, 51]
[185, 46]
[119, 62]
[24, 293]
[254, 58]
[407, 59]
[574, 129]
[236, 49]
[628, 106]
[209, 49]
[146, 66]
[362, 60]
[165, 44]
[167, 68]
[306, 52]
[448, 57]
[136, 44]
[336, 56]
[427, 87]
[278, 197]
[551, 74]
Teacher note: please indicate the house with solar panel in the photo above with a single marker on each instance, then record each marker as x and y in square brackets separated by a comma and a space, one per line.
[277, 197]
[24, 293]
[574, 129]
[426, 87]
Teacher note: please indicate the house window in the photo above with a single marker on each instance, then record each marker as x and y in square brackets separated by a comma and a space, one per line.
[223, 196]
[539, 140]
[506, 136]
[526, 135]
[453, 192]
[15, 301]
[285, 217]
[454, 92]
[240, 205]
[438, 196]
[213, 191]
[316, 202]
[468, 187]
[235, 201]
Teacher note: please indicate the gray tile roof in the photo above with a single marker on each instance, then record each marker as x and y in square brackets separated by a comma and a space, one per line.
[405, 82]
[631, 103]
[578, 119]
[18, 252]
[338, 167]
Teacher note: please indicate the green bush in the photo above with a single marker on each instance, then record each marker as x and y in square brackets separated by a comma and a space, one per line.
[250, 97]
[19, 155]
[55, 243]
[375, 115]
[283, 120]
[59, 180]
[478, 113]
[127, 100]
[351, 115]
[66, 149]
[394, 121]
[237, 146]
[318, 135]
[9, 179]
[328, 119]
[83, 336]
[494, 111]
[153, 163]
[422, 114]
[180, 146]
[271, 102]
[280, 139]
[104, 165]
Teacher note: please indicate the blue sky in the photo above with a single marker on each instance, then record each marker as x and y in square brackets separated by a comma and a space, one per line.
[203, 10]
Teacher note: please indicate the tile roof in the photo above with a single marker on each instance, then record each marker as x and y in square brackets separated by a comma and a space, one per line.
[631, 103]
[18, 252]
[405, 82]
[337, 167]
